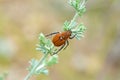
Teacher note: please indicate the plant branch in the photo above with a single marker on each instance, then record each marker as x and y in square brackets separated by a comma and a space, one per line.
[35, 67]
[73, 20]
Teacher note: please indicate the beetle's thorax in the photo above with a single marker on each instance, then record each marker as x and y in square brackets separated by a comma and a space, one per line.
[65, 35]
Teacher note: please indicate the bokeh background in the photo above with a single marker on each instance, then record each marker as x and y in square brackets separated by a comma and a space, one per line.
[94, 57]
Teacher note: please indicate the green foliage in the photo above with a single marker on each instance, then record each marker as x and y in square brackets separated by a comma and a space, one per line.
[77, 29]
[42, 68]
[52, 60]
[66, 26]
[3, 76]
[47, 47]
[79, 6]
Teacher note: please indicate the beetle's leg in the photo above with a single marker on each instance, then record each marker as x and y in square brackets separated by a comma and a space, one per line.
[67, 43]
[63, 46]
[51, 34]
[71, 37]
[59, 49]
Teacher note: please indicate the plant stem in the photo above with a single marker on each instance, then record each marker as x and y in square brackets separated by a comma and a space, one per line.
[74, 18]
[34, 68]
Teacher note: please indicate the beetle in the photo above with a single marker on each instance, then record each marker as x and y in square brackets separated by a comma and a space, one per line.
[61, 39]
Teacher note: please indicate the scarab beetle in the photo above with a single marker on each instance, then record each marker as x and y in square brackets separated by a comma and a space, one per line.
[61, 39]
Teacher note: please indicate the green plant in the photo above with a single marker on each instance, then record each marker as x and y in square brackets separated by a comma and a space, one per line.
[47, 47]
[3, 76]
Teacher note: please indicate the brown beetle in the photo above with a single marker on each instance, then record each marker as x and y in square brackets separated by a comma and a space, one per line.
[61, 39]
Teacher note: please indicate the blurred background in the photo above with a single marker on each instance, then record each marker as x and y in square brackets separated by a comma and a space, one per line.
[94, 57]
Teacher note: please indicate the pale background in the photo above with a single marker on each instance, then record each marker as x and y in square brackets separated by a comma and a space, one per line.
[94, 57]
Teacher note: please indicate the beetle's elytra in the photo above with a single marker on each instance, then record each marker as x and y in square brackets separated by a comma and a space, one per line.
[60, 38]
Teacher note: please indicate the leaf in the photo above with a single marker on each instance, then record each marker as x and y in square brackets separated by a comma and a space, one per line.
[52, 60]
[32, 62]
[3, 76]
[43, 70]
[79, 6]
[78, 1]
[45, 45]
[81, 11]
[79, 31]
[66, 26]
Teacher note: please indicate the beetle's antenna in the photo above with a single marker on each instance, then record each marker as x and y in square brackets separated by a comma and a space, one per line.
[51, 34]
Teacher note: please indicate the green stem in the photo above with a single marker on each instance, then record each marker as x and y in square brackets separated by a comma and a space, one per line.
[34, 68]
[74, 18]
